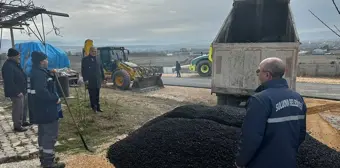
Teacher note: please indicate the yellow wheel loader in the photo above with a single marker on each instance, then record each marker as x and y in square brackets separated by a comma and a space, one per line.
[124, 73]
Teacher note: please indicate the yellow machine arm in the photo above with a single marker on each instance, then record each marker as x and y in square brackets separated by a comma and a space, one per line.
[88, 44]
[210, 53]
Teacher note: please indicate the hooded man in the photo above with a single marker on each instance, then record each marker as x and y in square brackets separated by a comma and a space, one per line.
[46, 109]
[15, 85]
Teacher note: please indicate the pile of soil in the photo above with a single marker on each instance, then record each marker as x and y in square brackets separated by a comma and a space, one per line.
[200, 136]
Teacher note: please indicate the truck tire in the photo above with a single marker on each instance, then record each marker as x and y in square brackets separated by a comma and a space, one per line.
[221, 100]
[121, 79]
[204, 68]
[229, 100]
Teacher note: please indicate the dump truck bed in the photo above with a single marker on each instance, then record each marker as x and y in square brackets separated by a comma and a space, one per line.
[235, 65]
[251, 33]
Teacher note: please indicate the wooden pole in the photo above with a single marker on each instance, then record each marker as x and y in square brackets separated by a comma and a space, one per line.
[12, 36]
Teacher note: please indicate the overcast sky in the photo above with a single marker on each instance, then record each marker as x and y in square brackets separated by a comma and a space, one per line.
[165, 21]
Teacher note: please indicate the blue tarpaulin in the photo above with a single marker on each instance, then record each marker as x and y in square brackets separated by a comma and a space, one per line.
[57, 58]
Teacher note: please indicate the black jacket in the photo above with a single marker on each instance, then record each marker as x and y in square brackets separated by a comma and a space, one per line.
[178, 66]
[15, 80]
[92, 71]
[274, 127]
[43, 96]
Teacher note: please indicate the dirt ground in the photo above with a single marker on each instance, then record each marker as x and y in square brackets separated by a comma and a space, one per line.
[123, 113]
[319, 80]
[126, 111]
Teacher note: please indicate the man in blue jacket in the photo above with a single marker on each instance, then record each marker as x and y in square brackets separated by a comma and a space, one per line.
[46, 107]
[275, 123]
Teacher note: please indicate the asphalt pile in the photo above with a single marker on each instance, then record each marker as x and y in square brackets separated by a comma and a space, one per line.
[200, 136]
[314, 154]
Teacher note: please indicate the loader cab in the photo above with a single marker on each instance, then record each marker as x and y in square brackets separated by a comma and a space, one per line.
[109, 56]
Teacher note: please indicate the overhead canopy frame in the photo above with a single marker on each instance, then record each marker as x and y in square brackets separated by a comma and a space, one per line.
[14, 16]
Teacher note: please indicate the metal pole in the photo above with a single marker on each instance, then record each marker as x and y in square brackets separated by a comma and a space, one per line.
[12, 36]
[1, 39]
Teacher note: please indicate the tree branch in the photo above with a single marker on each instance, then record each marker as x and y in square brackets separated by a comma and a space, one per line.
[336, 7]
[324, 23]
[337, 28]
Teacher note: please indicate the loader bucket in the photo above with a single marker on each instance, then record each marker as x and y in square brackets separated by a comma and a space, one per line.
[149, 83]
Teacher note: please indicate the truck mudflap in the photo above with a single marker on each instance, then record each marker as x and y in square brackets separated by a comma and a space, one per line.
[149, 83]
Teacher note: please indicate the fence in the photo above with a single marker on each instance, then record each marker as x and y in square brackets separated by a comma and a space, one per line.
[319, 70]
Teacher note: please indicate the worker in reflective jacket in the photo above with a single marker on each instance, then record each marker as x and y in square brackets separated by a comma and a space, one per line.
[275, 123]
[45, 102]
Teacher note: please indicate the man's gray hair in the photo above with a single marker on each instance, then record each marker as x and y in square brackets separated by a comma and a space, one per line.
[275, 66]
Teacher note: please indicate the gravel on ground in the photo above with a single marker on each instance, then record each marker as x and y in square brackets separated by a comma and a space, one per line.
[87, 161]
[332, 118]
[316, 126]
[158, 102]
[34, 163]
[187, 134]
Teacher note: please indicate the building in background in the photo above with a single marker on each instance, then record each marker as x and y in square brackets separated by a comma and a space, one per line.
[319, 51]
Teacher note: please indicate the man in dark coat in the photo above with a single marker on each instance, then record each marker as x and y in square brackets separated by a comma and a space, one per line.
[93, 76]
[178, 69]
[275, 123]
[45, 108]
[15, 85]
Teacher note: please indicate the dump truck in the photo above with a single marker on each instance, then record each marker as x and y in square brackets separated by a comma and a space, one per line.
[124, 74]
[254, 30]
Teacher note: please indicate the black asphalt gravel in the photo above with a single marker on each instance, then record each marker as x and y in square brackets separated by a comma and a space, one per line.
[200, 136]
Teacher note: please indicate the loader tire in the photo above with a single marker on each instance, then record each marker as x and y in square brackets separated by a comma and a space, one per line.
[121, 79]
[204, 68]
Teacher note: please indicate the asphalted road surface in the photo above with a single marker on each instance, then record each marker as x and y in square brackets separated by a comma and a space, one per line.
[327, 91]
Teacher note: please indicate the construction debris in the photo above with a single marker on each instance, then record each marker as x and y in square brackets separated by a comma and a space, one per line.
[200, 136]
